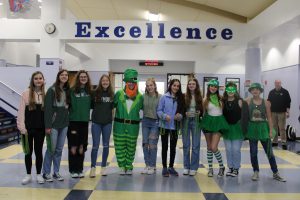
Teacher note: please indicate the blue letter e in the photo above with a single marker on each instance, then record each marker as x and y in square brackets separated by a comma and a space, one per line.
[82, 29]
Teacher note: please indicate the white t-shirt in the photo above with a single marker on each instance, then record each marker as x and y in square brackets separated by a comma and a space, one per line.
[214, 110]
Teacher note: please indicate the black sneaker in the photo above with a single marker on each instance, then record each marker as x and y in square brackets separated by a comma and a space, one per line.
[284, 146]
[172, 171]
[221, 172]
[235, 173]
[47, 177]
[277, 177]
[210, 172]
[274, 144]
[58, 177]
[229, 173]
[165, 172]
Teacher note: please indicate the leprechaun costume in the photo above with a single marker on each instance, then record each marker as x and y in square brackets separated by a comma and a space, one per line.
[128, 103]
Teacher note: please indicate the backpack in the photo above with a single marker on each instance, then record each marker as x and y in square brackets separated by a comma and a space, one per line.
[290, 133]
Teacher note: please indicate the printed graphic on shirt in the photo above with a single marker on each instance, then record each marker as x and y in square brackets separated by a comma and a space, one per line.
[105, 99]
[257, 115]
[81, 94]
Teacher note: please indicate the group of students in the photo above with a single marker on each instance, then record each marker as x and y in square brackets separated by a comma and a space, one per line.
[64, 111]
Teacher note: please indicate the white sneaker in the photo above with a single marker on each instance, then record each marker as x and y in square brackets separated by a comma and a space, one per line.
[26, 179]
[74, 175]
[255, 176]
[122, 171]
[103, 171]
[81, 175]
[40, 179]
[151, 171]
[129, 172]
[193, 172]
[145, 170]
[186, 172]
[93, 172]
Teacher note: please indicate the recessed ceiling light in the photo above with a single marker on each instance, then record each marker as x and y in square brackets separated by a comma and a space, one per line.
[40, 1]
[1, 4]
[153, 17]
[40, 7]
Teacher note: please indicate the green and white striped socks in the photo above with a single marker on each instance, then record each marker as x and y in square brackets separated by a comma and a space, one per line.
[218, 156]
[210, 159]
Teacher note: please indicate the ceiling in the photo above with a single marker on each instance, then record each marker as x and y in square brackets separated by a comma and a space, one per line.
[170, 10]
[221, 11]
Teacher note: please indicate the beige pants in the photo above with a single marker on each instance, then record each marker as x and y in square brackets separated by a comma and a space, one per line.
[279, 120]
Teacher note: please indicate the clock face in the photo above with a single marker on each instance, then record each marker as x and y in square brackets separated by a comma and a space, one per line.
[50, 28]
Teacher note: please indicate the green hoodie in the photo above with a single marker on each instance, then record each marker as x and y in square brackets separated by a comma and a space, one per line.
[56, 112]
[80, 106]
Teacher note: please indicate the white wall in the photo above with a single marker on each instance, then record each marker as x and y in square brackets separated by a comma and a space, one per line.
[20, 53]
[280, 53]
[18, 78]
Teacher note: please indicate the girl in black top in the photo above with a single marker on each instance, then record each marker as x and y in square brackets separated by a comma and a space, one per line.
[30, 122]
[102, 105]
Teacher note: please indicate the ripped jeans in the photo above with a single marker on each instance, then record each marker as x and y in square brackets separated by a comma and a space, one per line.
[150, 140]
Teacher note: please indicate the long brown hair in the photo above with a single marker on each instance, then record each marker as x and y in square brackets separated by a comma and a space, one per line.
[77, 85]
[154, 83]
[207, 99]
[225, 95]
[197, 95]
[99, 90]
[31, 91]
[58, 90]
[179, 96]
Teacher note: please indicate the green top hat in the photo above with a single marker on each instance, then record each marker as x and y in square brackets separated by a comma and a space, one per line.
[130, 75]
[213, 82]
[257, 86]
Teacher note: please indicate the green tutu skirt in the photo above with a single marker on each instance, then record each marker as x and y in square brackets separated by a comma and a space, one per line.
[258, 131]
[214, 124]
[234, 132]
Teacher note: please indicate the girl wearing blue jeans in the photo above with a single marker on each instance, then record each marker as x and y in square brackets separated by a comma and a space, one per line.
[57, 102]
[260, 129]
[102, 104]
[150, 126]
[194, 110]
[233, 138]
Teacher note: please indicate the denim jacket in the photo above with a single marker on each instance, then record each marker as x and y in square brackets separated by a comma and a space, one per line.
[167, 106]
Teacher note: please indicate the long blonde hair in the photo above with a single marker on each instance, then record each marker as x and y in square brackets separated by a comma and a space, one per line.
[154, 83]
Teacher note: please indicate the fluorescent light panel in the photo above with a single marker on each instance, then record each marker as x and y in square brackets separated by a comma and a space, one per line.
[153, 17]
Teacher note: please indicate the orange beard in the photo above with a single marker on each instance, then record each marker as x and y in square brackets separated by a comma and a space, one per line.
[131, 93]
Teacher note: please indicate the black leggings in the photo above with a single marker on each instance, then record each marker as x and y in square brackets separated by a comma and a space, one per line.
[37, 137]
[173, 143]
[77, 138]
